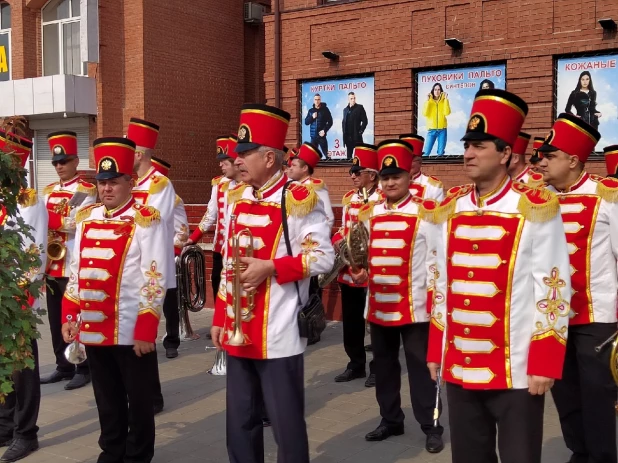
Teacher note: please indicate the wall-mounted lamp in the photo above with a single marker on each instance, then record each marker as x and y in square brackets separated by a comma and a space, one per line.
[608, 24]
[331, 55]
[454, 43]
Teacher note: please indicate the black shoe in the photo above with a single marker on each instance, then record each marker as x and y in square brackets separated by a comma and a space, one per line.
[78, 381]
[384, 432]
[371, 380]
[349, 375]
[266, 422]
[5, 441]
[313, 341]
[368, 348]
[57, 376]
[434, 443]
[171, 352]
[20, 448]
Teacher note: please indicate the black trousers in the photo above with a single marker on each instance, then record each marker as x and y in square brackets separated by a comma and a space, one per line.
[277, 384]
[20, 411]
[217, 268]
[350, 145]
[172, 319]
[385, 341]
[54, 294]
[475, 415]
[126, 414]
[586, 396]
[352, 307]
[322, 143]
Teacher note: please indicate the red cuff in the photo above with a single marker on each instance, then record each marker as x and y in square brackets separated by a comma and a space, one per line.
[69, 307]
[546, 357]
[434, 348]
[219, 318]
[196, 236]
[177, 251]
[336, 237]
[429, 300]
[146, 327]
[55, 221]
[290, 268]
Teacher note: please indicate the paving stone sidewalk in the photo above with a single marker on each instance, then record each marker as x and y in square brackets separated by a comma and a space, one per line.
[192, 426]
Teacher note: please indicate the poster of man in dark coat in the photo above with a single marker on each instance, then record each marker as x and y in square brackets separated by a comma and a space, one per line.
[319, 120]
[354, 124]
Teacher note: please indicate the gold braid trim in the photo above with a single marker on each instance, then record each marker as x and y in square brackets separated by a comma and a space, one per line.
[157, 184]
[440, 214]
[84, 213]
[216, 180]
[225, 187]
[365, 212]
[177, 201]
[90, 190]
[49, 188]
[541, 211]
[607, 192]
[303, 206]
[27, 197]
[316, 183]
[347, 198]
[435, 182]
[236, 193]
[145, 216]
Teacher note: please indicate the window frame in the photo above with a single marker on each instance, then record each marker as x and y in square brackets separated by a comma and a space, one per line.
[8, 32]
[60, 23]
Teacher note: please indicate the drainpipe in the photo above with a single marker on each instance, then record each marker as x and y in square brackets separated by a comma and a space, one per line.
[277, 54]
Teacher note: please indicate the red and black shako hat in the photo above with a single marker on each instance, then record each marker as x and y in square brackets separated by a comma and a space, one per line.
[521, 144]
[62, 145]
[262, 125]
[416, 141]
[495, 114]
[571, 135]
[309, 153]
[536, 144]
[395, 157]
[161, 166]
[611, 160]
[222, 148]
[13, 143]
[365, 157]
[114, 157]
[145, 134]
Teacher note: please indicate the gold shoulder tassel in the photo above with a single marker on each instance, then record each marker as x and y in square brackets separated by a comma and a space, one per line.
[543, 211]
[89, 190]
[608, 192]
[27, 197]
[235, 193]
[84, 213]
[303, 206]
[146, 216]
[49, 188]
[440, 214]
[157, 184]
[365, 212]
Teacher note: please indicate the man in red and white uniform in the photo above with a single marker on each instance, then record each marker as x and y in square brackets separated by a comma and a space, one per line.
[119, 274]
[535, 159]
[156, 190]
[364, 174]
[501, 303]
[518, 169]
[20, 410]
[586, 396]
[62, 199]
[270, 323]
[215, 211]
[611, 160]
[399, 251]
[421, 185]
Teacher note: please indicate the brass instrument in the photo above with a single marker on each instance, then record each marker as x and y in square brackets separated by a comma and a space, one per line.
[191, 284]
[613, 356]
[219, 368]
[75, 352]
[56, 248]
[238, 338]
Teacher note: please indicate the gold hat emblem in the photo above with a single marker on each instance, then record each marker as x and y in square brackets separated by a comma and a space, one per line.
[242, 133]
[219, 150]
[355, 161]
[474, 122]
[106, 165]
[57, 150]
[388, 161]
[550, 137]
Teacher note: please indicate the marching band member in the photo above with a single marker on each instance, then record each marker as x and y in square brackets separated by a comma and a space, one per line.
[586, 395]
[62, 199]
[301, 170]
[364, 174]
[535, 158]
[396, 307]
[421, 185]
[156, 190]
[269, 364]
[119, 275]
[611, 160]
[518, 169]
[501, 304]
[20, 411]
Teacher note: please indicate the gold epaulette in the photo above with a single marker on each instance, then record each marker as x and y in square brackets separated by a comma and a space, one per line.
[225, 186]
[236, 193]
[157, 184]
[315, 183]
[27, 197]
[83, 213]
[177, 201]
[456, 189]
[536, 204]
[215, 181]
[365, 212]
[88, 188]
[535, 180]
[607, 188]
[347, 198]
[300, 200]
[145, 216]
[425, 206]
[433, 181]
[438, 213]
[49, 188]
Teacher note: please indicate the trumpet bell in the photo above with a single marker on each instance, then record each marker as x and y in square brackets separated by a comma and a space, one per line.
[219, 368]
[56, 250]
[238, 339]
[75, 353]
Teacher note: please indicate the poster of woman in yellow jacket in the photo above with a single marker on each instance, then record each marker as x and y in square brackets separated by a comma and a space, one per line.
[436, 109]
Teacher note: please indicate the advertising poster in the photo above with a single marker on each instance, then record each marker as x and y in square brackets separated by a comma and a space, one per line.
[587, 88]
[5, 72]
[337, 114]
[444, 100]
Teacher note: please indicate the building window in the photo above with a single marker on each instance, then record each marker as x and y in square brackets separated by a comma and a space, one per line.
[5, 41]
[61, 48]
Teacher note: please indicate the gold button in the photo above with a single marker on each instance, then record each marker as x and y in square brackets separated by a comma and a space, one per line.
[466, 330]
[475, 247]
[383, 270]
[90, 262]
[450, 342]
[479, 212]
[87, 304]
[87, 326]
[504, 261]
[88, 284]
[449, 313]
[98, 243]
[384, 252]
[470, 274]
[466, 302]
[384, 288]
[387, 234]
[468, 360]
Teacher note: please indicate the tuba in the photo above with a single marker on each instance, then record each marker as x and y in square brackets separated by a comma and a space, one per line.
[353, 251]
[191, 285]
[613, 356]
[238, 338]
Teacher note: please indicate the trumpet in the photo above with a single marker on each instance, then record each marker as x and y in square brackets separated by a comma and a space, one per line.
[219, 368]
[238, 338]
[56, 249]
[191, 284]
[613, 356]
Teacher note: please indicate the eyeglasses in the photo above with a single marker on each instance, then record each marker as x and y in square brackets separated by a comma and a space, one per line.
[61, 162]
[357, 173]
